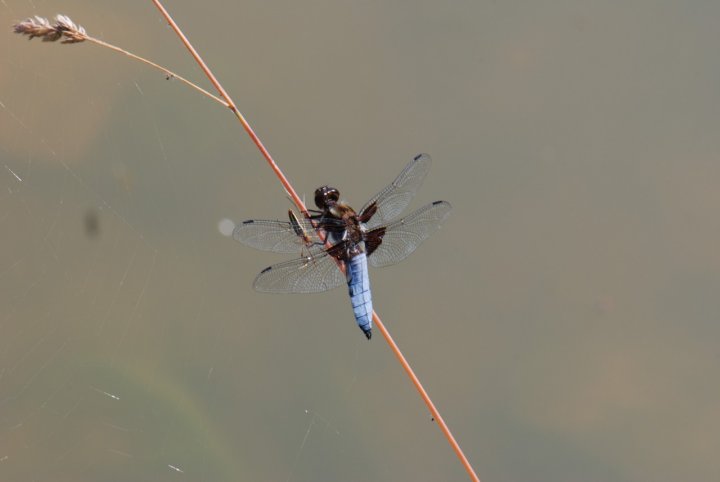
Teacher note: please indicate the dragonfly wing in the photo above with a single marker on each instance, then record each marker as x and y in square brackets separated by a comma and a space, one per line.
[392, 243]
[274, 236]
[391, 201]
[312, 274]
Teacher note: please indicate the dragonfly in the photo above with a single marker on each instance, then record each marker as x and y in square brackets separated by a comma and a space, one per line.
[336, 243]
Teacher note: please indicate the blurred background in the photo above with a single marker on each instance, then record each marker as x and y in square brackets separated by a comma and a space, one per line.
[564, 320]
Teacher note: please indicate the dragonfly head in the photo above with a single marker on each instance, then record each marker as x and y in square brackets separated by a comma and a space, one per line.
[326, 197]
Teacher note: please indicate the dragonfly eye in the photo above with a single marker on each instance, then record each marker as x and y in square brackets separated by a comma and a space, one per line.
[326, 196]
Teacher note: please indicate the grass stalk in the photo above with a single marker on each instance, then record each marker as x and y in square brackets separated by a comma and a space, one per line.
[68, 32]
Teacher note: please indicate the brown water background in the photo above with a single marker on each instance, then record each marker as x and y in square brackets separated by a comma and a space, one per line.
[565, 319]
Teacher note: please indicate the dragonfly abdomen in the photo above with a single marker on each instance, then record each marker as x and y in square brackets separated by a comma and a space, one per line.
[359, 290]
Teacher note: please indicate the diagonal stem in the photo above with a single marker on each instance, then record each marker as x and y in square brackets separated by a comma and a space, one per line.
[426, 398]
[301, 206]
[266, 154]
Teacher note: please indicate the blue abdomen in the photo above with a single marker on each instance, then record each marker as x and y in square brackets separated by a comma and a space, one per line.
[359, 290]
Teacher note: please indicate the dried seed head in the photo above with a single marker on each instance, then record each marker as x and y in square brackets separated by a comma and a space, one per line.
[37, 27]
[42, 28]
[73, 33]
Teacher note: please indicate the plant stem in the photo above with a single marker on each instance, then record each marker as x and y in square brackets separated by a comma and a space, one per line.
[266, 154]
[301, 206]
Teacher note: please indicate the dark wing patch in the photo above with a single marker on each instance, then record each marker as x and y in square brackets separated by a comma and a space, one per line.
[339, 251]
[373, 239]
[391, 201]
[403, 236]
[367, 213]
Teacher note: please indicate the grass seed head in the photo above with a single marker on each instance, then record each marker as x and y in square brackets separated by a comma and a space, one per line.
[62, 28]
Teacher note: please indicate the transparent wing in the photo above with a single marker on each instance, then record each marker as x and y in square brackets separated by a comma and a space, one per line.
[392, 200]
[403, 236]
[312, 274]
[275, 236]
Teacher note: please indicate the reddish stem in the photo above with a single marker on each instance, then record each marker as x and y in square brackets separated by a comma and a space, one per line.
[301, 206]
[283, 180]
